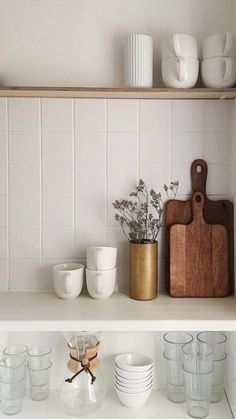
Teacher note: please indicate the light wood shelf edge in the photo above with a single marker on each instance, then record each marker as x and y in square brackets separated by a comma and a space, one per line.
[116, 93]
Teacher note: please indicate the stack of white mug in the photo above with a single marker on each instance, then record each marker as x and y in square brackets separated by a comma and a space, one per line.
[180, 63]
[219, 60]
[101, 271]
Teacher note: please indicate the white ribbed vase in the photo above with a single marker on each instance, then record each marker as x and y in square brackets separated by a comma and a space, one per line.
[139, 60]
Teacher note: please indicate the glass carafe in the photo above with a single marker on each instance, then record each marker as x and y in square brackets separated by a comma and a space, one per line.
[83, 390]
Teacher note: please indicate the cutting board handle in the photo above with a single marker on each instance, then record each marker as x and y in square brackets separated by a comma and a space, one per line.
[197, 206]
[199, 176]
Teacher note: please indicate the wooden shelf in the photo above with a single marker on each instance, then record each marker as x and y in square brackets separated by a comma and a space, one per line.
[117, 93]
[41, 311]
[157, 406]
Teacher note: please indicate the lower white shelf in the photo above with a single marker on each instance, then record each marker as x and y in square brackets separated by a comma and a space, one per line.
[156, 407]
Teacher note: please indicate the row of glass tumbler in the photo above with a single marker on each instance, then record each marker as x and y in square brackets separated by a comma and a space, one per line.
[195, 369]
[13, 375]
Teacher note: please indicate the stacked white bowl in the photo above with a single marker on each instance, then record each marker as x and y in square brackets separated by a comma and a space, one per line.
[133, 378]
[219, 60]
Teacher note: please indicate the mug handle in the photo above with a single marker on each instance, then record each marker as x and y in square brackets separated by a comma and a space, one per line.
[183, 73]
[68, 283]
[99, 259]
[228, 42]
[98, 283]
[176, 44]
[228, 68]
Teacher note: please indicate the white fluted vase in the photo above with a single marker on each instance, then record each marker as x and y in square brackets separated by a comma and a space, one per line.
[139, 61]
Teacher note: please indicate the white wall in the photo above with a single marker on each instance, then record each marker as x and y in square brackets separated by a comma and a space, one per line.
[80, 42]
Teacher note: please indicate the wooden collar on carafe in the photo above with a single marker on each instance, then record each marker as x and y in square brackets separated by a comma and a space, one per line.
[89, 357]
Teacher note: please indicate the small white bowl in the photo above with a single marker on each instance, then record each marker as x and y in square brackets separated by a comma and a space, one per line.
[133, 383]
[133, 375]
[133, 401]
[133, 362]
[134, 390]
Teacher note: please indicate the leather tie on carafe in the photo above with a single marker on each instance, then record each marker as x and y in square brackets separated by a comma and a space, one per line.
[85, 364]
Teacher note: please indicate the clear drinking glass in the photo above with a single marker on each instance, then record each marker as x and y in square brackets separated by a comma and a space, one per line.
[39, 357]
[39, 382]
[16, 349]
[12, 369]
[174, 379]
[217, 340]
[218, 378]
[12, 396]
[175, 340]
[198, 357]
[198, 390]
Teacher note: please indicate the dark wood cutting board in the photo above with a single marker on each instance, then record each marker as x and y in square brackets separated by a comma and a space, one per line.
[198, 256]
[215, 212]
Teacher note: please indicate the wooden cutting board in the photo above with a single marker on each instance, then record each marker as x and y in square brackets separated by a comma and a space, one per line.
[199, 256]
[215, 212]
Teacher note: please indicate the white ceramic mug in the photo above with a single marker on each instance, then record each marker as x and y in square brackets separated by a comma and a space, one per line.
[68, 280]
[179, 45]
[100, 284]
[139, 60]
[180, 72]
[219, 45]
[101, 258]
[219, 72]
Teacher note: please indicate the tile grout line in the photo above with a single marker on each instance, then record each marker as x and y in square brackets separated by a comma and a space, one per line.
[73, 169]
[40, 185]
[8, 195]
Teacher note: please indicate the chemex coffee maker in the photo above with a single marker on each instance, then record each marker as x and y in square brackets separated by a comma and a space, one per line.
[83, 390]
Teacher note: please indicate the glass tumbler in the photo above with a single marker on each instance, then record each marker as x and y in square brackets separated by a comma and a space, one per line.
[16, 349]
[197, 357]
[12, 369]
[218, 341]
[39, 382]
[198, 389]
[39, 357]
[218, 378]
[174, 378]
[12, 396]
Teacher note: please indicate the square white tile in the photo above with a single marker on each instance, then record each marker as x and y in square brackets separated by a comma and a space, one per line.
[57, 146]
[116, 238]
[218, 115]
[122, 179]
[24, 113]
[3, 179]
[122, 115]
[182, 173]
[57, 179]
[89, 236]
[155, 147]
[3, 113]
[24, 146]
[187, 146]
[58, 242]
[24, 242]
[218, 179]
[90, 179]
[25, 275]
[155, 176]
[111, 211]
[3, 146]
[122, 147]
[217, 147]
[24, 210]
[57, 114]
[3, 211]
[24, 178]
[90, 114]
[90, 147]
[58, 210]
[90, 210]
[187, 115]
[4, 275]
[155, 115]
[3, 243]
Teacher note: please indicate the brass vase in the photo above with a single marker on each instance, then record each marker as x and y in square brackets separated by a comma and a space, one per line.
[143, 271]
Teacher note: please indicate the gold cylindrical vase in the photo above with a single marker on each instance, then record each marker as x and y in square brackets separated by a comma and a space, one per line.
[143, 271]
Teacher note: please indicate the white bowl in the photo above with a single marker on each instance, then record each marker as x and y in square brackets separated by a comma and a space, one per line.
[135, 383]
[133, 375]
[134, 390]
[133, 362]
[133, 400]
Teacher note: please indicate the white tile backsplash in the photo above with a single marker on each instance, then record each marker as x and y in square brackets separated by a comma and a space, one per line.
[64, 161]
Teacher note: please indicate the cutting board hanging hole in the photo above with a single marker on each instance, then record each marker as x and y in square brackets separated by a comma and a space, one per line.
[199, 168]
[198, 199]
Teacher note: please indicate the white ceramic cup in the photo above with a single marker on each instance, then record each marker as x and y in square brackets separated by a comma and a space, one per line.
[180, 72]
[68, 280]
[101, 258]
[101, 284]
[179, 45]
[219, 45]
[139, 60]
[219, 72]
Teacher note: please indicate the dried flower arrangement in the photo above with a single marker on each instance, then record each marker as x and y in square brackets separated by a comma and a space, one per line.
[139, 225]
